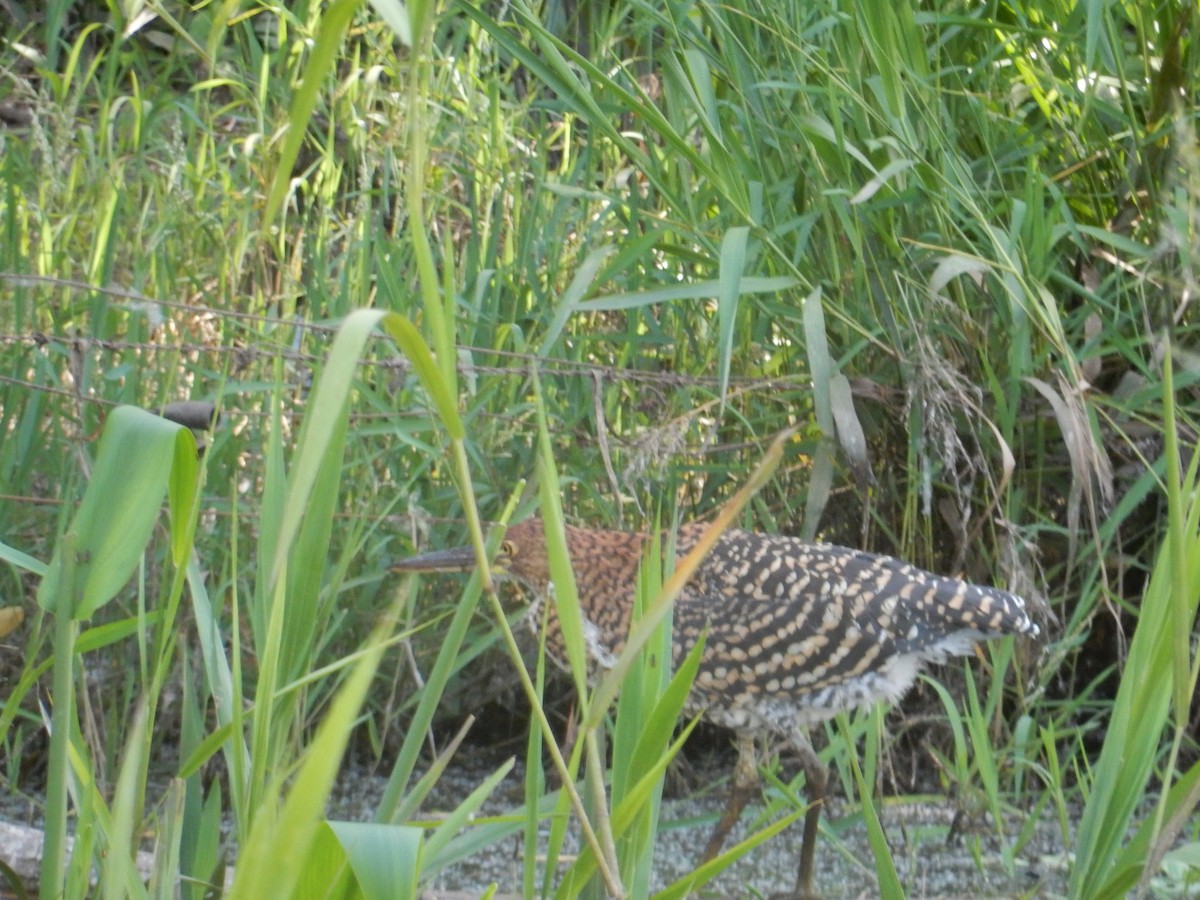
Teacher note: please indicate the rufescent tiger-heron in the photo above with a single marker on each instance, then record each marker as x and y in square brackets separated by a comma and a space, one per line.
[796, 631]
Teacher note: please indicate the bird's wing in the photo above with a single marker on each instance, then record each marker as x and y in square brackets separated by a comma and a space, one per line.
[795, 616]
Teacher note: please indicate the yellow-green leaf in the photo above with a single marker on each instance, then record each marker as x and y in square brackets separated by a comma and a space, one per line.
[139, 454]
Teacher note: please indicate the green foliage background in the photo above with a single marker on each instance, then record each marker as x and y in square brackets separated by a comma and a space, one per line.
[951, 243]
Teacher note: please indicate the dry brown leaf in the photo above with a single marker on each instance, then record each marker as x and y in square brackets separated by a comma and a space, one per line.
[11, 618]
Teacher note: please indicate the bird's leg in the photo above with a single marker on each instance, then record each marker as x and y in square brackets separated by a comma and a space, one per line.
[816, 783]
[745, 780]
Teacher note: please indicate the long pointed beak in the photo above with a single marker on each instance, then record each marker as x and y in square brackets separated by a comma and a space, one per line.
[456, 559]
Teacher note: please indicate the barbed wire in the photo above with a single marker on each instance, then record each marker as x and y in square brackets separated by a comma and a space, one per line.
[527, 360]
[263, 349]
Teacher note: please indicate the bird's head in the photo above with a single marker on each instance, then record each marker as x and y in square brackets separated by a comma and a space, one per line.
[522, 555]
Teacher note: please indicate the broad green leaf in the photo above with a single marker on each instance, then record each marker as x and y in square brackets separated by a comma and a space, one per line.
[386, 859]
[138, 456]
[325, 871]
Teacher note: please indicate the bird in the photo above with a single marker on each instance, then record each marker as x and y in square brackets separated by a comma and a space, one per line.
[795, 632]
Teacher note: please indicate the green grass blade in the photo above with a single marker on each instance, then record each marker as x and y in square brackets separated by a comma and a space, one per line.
[885, 868]
[279, 842]
[714, 867]
[1144, 698]
[643, 629]
[823, 371]
[335, 20]
[733, 264]
[463, 814]
[327, 406]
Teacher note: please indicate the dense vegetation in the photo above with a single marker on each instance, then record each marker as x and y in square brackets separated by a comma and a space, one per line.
[946, 249]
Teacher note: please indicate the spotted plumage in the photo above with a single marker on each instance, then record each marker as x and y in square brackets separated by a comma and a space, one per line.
[821, 626]
[796, 631]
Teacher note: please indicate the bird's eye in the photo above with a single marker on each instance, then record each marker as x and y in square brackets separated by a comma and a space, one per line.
[507, 550]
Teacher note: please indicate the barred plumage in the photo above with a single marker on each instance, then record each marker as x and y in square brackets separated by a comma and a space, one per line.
[796, 631]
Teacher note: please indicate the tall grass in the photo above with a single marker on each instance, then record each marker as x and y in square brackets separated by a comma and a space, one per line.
[1157, 692]
[950, 246]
